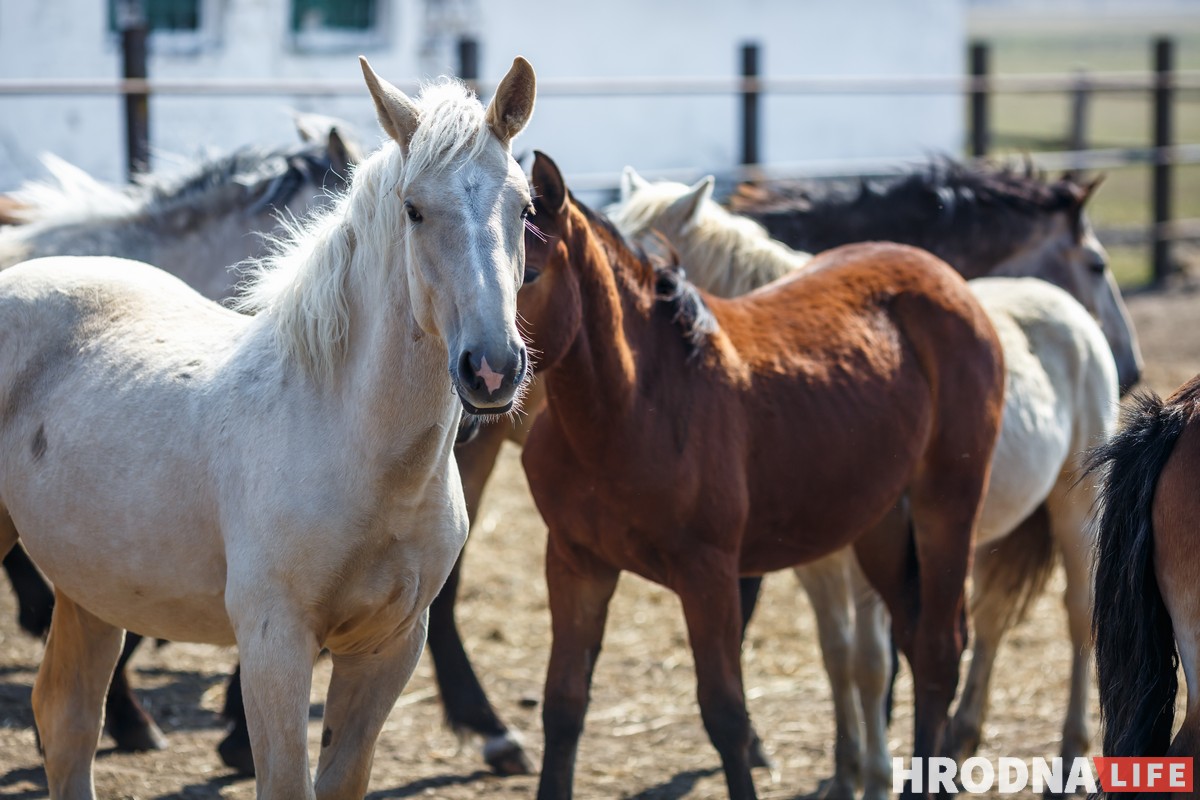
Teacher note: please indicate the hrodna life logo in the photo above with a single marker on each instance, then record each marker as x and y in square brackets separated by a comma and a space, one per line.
[1005, 775]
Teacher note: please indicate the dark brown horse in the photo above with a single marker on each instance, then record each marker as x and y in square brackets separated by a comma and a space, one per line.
[1147, 613]
[692, 440]
[984, 220]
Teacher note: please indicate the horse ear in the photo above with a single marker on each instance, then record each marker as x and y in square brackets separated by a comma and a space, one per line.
[397, 114]
[631, 183]
[688, 208]
[1089, 188]
[335, 135]
[548, 184]
[511, 108]
[344, 152]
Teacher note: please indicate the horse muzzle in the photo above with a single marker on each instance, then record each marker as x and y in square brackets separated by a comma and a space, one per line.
[485, 387]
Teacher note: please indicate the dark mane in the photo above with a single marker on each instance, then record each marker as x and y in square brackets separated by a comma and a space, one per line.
[669, 285]
[964, 214]
[270, 177]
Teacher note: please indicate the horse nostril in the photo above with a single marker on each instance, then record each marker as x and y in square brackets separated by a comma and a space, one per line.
[523, 370]
[466, 372]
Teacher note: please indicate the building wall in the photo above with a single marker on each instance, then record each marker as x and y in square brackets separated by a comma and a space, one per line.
[590, 137]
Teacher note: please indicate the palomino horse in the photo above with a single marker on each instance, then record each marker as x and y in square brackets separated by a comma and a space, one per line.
[1061, 398]
[196, 224]
[282, 481]
[692, 439]
[1147, 604]
[76, 215]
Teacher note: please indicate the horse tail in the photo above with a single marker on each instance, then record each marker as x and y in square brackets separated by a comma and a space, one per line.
[1136, 656]
[1012, 572]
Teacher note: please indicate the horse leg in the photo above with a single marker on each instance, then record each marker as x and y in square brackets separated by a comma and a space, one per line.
[1070, 510]
[579, 596]
[873, 671]
[278, 652]
[945, 504]
[35, 598]
[466, 704]
[124, 718]
[362, 692]
[748, 589]
[68, 696]
[708, 589]
[234, 749]
[827, 583]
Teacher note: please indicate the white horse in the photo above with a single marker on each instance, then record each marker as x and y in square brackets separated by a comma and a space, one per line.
[724, 254]
[1061, 398]
[282, 481]
[195, 223]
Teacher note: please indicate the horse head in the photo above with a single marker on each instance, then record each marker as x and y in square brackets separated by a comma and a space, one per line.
[1066, 252]
[460, 201]
[551, 298]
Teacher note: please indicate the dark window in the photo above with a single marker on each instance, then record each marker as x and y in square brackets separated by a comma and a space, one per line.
[161, 15]
[344, 15]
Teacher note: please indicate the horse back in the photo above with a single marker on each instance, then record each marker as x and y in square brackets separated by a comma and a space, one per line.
[865, 369]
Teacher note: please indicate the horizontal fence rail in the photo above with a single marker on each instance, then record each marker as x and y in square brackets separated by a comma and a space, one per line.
[633, 86]
[1166, 85]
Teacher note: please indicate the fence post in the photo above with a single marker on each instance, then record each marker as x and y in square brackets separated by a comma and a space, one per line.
[979, 58]
[132, 22]
[1164, 65]
[468, 61]
[750, 113]
[1081, 95]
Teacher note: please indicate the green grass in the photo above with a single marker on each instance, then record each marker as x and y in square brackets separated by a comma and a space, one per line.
[1039, 122]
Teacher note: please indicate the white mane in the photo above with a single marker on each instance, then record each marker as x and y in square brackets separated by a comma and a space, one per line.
[303, 285]
[722, 253]
[70, 195]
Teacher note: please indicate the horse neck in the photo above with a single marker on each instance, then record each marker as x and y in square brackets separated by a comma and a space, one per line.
[597, 376]
[392, 371]
[974, 245]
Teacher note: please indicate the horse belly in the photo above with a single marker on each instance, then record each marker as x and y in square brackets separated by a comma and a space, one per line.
[111, 503]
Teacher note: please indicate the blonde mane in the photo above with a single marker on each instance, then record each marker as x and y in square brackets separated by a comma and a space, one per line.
[723, 254]
[303, 286]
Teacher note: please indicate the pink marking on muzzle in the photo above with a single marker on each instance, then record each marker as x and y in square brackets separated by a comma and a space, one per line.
[491, 378]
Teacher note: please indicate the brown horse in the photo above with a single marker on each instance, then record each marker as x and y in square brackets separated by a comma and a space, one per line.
[692, 440]
[1147, 613]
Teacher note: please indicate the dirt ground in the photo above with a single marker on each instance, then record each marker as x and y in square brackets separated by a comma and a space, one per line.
[644, 738]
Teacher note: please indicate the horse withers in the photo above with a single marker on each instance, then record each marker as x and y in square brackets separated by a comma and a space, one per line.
[692, 440]
[281, 481]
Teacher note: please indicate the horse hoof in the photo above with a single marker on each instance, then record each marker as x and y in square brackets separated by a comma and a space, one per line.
[505, 755]
[961, 742]
[141, 737]
[758, 755]
[235, 752]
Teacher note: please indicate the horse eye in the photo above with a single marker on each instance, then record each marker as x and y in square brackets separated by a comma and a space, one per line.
[531, 275]
[412, 212]
[528, 211]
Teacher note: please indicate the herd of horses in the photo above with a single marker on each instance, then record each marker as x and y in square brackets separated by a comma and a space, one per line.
[298, 473]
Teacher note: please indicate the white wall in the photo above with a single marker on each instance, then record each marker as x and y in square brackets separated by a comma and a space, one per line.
[563, 39]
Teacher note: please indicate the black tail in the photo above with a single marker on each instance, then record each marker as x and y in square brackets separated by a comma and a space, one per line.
[1136, 657]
